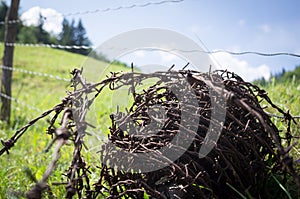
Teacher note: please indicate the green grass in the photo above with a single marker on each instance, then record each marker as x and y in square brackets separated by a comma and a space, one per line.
[286, 96]
[44, 93]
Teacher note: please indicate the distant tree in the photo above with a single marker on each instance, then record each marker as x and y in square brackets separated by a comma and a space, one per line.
[66, 37]
[3, 11]
[80, 38]
[27, 34]
[70, 35]
[80, 35]
[261, 81]
[42, 36]
[74, 35]
[282, 77]
[35, 34]
[292, 75]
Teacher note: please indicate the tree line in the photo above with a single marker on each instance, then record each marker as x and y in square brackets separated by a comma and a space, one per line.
[281, 77]
[72, 33]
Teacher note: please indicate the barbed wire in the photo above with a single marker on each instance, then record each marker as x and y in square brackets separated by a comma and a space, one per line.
[19, 102]
[67, 80]
[223, 51]
[156, 49]
[102, 10]
[11, 21]
[35, 73]
[48, 45]
[122, 7]
[256, 53]
[78, 172]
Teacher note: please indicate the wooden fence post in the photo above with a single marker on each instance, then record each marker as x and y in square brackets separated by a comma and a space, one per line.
[7, 60]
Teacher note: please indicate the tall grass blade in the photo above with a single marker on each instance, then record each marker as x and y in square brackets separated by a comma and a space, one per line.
[282, 187]
[234, 189]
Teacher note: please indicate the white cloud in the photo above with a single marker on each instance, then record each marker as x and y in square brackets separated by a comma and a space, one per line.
[53, 19]
[265, 28]
[242, 67]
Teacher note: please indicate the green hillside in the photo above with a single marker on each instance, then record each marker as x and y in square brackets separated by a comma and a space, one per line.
[47, 91]
[36, 93]
[42, 90]
[283, 89]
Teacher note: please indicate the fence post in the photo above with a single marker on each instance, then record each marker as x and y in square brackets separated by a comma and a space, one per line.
[7, 60]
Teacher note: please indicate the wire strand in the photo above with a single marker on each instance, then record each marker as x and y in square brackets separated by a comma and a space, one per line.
[156, 49]
[104, 10]
[257, 53]
[19, 102]
[48, 45]
[122, 7]
[10, 21]
[35, 73]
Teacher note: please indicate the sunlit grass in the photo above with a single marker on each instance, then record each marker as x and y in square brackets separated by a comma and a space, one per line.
[36, 94]
[42, 93]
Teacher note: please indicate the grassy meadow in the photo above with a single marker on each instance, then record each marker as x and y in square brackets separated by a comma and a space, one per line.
[36, 94]
[285, 94]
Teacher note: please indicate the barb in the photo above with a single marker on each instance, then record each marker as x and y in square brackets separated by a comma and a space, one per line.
[247, 135]
[18, 134]
[35, 73]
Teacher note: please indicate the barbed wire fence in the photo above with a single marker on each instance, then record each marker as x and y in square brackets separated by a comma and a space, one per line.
[55, 77]
[78, 174]
[63, 133]
[154, 49]
[132, 6]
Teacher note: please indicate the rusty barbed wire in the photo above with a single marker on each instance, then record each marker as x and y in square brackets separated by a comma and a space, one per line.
[249, 148]
[62, 134]
[7, 145]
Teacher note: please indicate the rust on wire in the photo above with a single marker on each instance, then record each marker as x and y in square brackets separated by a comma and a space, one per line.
[248, 153]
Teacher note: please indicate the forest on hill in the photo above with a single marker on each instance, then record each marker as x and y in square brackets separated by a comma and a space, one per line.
[73, 33]
[282, 77]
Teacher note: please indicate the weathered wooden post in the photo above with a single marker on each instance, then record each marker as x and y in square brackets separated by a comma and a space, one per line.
[7, 60]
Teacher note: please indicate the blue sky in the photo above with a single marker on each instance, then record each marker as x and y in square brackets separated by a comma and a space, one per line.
[264, 26]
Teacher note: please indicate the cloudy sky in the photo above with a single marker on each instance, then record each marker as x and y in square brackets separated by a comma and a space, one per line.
[265, 26]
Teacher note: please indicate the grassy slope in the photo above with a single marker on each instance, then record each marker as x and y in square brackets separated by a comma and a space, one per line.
[286, 95]
[41, 93]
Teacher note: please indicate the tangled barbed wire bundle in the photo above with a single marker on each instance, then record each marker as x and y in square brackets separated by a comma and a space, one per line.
[155, 147]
